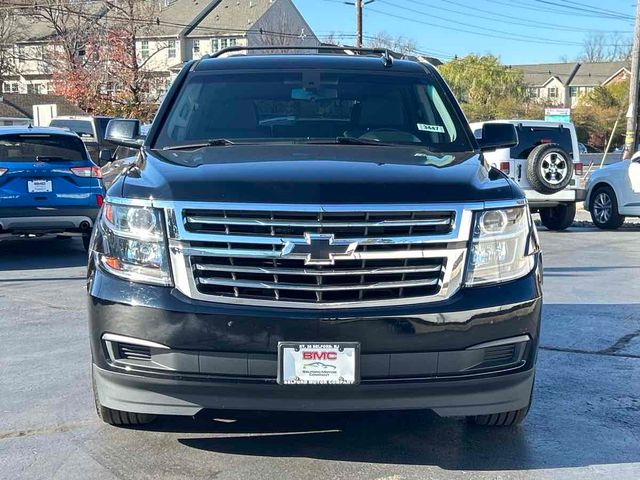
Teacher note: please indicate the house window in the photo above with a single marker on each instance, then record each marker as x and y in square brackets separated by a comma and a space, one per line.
[10, 87]
[233, 42]
[214, 45]
[171, 49]
[552, 92]
[19, 53]
[224, 43]
[573, 91]
[144, 49]
[36, 88]
[534, 92]
[196, 48]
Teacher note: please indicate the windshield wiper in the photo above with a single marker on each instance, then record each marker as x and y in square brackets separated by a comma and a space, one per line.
[214, 142]
[346, 141]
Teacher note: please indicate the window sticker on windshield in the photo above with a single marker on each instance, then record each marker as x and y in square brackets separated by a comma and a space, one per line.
[430, 128]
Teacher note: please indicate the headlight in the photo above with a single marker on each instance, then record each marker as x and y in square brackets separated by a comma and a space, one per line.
[133, 244]
[502, 247]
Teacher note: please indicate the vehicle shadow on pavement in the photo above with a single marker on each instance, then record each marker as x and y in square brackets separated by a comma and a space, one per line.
[406, 438]
[41, 253]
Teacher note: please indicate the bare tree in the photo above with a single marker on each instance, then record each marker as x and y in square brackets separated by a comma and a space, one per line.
[399, 43]
[129, 21]
[598, 47]
[71, 23]
[331, 38]
[281, 31]
[8, 37]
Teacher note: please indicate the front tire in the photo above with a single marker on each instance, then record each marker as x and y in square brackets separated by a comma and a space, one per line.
[86, 241]
[604, 209]
[118, 417]
[558, 218]
[505, 419]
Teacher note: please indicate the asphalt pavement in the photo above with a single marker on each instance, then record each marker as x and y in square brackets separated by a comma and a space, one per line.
[584, 423]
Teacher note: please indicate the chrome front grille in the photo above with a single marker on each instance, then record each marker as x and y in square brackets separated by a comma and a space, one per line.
[340, 224]
[280, 279]
[324, 256]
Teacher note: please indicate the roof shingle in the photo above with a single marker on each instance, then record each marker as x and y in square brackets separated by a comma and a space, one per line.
[20, 105]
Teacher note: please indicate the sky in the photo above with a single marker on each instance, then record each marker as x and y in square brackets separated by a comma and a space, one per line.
[517, 31]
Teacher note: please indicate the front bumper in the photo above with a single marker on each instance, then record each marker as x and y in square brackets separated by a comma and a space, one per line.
[180, 396]
[223, 356]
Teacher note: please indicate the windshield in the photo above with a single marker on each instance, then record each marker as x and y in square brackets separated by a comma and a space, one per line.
[84, 128]
[27, 148]
[312, 106]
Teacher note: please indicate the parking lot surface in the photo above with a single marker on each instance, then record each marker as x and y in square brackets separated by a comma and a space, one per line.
[584, 423]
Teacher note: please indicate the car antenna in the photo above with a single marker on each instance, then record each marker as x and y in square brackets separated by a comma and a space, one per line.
[387, 59]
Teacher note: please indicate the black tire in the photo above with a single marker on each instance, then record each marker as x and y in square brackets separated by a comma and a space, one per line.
[505, 419]
[606, 219]
[558, 218]
[86, 241]
[549, 168]
[117, 417]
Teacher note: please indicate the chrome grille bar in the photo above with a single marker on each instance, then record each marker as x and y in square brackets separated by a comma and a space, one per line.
[313, 288]
[248, 253]
[321, 273]
[322, 224]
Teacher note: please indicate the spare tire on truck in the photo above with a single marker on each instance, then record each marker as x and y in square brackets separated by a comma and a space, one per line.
[549, 168]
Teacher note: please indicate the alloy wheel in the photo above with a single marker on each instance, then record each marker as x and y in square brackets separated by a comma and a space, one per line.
[554, 168]
[602, 207]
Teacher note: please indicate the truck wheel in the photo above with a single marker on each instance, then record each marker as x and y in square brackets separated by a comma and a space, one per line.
[117, 417]
[549, 168]
[505, 419]
[604, 209]
[558, 218]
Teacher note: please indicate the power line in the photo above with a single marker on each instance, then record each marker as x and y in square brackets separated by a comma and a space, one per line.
[503, 32]
[497, 17]
[512, 37]
[581, 8]
[547, 10]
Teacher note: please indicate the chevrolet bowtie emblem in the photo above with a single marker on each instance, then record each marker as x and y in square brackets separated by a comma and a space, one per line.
[319, 248]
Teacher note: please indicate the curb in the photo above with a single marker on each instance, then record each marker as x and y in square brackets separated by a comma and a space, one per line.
[588, 224]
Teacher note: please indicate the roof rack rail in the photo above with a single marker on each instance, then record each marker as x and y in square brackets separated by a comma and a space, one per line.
[385, 54]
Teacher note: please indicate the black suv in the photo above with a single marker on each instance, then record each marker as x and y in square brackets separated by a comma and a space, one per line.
[315, 233]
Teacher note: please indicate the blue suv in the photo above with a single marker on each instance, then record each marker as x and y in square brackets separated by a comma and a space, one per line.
[48, 183]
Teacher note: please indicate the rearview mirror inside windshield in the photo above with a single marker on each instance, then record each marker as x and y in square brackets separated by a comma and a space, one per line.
[313, 94]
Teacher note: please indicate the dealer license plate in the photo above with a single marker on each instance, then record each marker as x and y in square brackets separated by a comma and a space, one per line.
[39, 186]
[318, 364]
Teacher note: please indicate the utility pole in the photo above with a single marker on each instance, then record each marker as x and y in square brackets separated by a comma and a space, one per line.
[359, 23]
[359, 4]
[631, 137]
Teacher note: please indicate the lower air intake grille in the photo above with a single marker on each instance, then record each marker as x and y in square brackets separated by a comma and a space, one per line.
[133, 352]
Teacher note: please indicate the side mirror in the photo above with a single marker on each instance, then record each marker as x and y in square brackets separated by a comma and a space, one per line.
[124, 132]
[105, 156]
[497, 135]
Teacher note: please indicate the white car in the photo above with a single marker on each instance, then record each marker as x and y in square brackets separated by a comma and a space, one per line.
[546, 165]
[613, 193]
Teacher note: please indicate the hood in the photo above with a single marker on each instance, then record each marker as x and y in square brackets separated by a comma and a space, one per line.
[313, 174]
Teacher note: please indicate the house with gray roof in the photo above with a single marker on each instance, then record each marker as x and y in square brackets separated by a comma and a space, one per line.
[562, 84]
[178, 31]
[18, 109]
